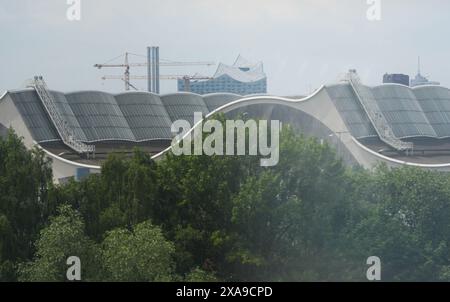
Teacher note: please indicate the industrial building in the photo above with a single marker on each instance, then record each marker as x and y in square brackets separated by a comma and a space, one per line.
[243, 78]
[391, 123]
[396, 78]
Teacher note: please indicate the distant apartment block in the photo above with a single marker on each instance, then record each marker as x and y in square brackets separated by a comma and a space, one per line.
[396, 78]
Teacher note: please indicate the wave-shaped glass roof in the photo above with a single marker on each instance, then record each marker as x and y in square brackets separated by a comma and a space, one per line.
[34, 115]
[146, 115]
[410, 112]
[96, 116]
[100, 116]
[216, 100]
[181, 106]
[141, 116]
[435, 103]
[403, 112]
[351, 111]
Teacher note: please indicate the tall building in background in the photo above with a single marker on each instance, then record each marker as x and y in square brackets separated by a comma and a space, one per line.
[153, 69]
[243, 77]
[420, 80]
[396, 78]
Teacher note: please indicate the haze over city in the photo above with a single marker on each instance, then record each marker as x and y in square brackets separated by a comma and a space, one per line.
[303, 44]
[237, 144]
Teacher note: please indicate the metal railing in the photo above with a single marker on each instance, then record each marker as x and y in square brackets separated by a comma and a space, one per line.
[64, 130]
[376, 116]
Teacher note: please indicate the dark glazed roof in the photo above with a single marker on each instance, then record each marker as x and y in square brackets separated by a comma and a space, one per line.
[411, 112]
[435, 103]
[146, 115]
[351, 110]
[183, 105]
[34, 115]
[68, 115]
[402, 110]
[216, 100]
[141, 116]
[99, 116]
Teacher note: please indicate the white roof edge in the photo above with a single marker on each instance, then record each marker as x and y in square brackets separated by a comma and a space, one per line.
[180, 93]
[73, 163]
[390, 84]
[429, 86]
[3, 95]
[245, 99]
[221, 93]
[19, 90]
[136, 92]
[86, 91]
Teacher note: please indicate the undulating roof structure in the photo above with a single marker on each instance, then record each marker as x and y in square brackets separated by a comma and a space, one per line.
[390, 123]
[97, 116]
[422, 111]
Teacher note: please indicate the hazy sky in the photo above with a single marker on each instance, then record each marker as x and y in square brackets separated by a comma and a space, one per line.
[303, 43]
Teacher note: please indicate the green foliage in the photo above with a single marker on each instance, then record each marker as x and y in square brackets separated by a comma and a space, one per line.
[198, 275]
[309, 218]
[25, 181]
[408, 226]
[64, 237]
[124, 194]
[139, 255]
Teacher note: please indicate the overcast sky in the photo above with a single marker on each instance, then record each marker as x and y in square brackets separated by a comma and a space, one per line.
[302, 43]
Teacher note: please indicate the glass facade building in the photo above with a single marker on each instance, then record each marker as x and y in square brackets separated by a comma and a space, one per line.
[243, 78]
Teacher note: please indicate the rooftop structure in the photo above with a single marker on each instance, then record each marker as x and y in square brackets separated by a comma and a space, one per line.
[391, 123]
[396, 78]
[421, 80]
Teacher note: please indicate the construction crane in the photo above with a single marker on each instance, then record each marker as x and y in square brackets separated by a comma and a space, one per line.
[187, 79]
[127, 65]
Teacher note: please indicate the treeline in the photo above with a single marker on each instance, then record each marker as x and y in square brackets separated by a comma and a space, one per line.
[201, 218]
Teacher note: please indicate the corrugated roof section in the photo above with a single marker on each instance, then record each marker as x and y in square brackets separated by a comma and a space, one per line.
[402, 111]
[351, 110]
[146, 115]
[435, 103]
[99, 116]
[216, 100]
[34, 115]
[140, 116]
[68, 115]
[183, 105]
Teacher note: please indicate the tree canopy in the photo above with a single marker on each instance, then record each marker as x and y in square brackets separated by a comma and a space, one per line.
[206, 218]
